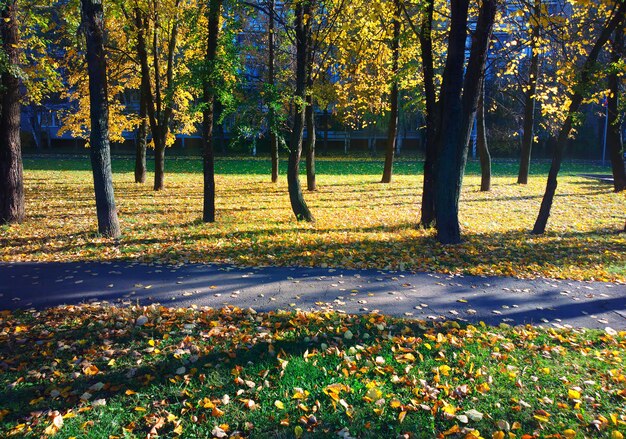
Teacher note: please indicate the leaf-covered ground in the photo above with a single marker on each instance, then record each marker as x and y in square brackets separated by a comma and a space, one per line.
[98, 371]
[359, 222]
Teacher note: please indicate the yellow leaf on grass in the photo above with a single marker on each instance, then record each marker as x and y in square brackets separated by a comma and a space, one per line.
[279, 405]
[569, 433]
[573, 394]
[616, 435]
[140, 409]
[498, 435]
[91, 370]
[401, 416]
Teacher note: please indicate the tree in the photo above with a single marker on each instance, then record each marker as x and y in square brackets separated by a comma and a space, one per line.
[11, 170]
[302, 12]
[392, 130]
[142, 137]
[93, 28]
[309, 116]
[481, 143]
[214, 12]
[530, 95]
[580, 90]
[159, 102]
[614, 132]
[271, 82]
[458, 103]
[427, 218]
[26, 76]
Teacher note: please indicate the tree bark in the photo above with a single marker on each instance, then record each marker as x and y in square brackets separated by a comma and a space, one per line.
[142, 134]
[298, 205]
[326, 122]
[427, 219]
[585, 76]
[530, 100]
[481, 141]
[311, 184]
[93, 26]
[392, 129]
[459, 101]
[272, 83]
[614, 139]
[11, 168]
[208, 216]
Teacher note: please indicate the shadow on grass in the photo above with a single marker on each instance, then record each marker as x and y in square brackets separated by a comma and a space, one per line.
[236, 347]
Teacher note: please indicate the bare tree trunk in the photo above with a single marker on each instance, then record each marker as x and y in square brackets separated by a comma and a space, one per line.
[481, 140]
[392, 131]
[93, 26]
[428, 192]
[311, 184]
[142, 134]
[215, 7]
[614, 131]
[11, 169]
[585, 76]
[459, 101]
[298, 205]
[530, 99]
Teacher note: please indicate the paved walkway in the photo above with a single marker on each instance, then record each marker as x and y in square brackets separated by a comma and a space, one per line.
[418, 295]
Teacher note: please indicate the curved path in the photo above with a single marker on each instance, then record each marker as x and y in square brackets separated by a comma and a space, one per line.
[431, 296]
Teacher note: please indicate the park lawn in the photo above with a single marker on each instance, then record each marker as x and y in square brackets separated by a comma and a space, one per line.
[360, 223]
[96, 371]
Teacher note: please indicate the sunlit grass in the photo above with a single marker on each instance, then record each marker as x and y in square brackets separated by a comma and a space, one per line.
[359, 222]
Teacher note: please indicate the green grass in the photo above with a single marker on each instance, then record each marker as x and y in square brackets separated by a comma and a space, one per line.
[304, 373]
[324, 166]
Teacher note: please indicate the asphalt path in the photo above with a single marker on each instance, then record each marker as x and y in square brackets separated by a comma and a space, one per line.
[428, 296]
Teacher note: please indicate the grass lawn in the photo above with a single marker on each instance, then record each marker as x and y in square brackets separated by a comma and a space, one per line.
[105, 372]
[359, 222]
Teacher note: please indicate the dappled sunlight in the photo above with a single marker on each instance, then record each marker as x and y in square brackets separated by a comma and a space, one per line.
[360, 223]
[102, 371]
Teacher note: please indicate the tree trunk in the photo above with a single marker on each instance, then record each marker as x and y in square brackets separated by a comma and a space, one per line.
[159, 159]
[530, 99]
[11, 169]
[392, 130]
[208, 215]
[93, 25]
[585, 76]
[298, 205]
[428, 192]
[326, 121]
[311, 185]
[459, 101]
[142, 134]
[272, 83]
[483, 149]
[614, 132]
